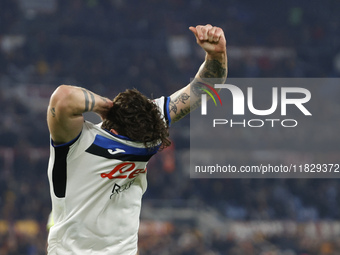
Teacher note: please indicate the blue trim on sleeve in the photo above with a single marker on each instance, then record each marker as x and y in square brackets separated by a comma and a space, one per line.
[65, 144]
[167, 110]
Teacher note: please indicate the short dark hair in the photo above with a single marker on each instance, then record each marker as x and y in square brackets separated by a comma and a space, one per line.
[135, 116]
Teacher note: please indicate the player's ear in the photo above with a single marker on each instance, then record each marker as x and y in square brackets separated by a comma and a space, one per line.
[113, 131]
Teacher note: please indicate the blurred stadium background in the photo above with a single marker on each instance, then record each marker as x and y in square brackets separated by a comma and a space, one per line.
[110, 45]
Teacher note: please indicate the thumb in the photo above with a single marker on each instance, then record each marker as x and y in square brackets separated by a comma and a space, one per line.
[193, 29]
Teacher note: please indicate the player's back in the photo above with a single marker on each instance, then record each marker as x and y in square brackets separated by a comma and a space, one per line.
[96, 183]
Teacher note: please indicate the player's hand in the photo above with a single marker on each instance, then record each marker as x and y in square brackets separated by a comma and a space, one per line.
[103, 107]
[210, 38]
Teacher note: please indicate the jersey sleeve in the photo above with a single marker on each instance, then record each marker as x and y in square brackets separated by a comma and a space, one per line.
[50, 221]
[163, 105]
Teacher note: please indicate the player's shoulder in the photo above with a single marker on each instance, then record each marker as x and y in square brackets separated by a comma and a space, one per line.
[90, 125]
[163, 106]
[160, 100]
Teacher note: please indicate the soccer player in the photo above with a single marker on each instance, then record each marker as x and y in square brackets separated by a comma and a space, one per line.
[97, 172]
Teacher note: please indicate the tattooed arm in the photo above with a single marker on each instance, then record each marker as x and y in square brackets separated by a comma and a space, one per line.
[213, 70]
[64, 114]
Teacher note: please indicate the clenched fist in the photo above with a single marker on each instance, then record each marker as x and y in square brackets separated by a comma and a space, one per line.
[210, 38]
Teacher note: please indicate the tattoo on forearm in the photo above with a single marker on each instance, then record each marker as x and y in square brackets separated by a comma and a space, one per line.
[213, 69]
[53, 112]
[197, 88]
[87, 100]
[93, 101]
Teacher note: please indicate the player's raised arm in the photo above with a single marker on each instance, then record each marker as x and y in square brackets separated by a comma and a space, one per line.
[213, 42]
[67, 104]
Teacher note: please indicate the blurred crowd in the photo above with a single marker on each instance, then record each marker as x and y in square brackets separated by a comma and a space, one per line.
[107, 46]
[188, 242]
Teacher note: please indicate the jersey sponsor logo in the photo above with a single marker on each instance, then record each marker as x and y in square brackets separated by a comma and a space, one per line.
[116, 151]
[111, 149]
[120, 188]
[124, 171]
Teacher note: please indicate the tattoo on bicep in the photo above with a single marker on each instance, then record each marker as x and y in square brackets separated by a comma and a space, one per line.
[104, 99]
[172, 107]
[182, 98]
[52, 112]
[181, 114]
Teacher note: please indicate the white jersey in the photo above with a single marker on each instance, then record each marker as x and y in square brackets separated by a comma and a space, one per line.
[96, 185]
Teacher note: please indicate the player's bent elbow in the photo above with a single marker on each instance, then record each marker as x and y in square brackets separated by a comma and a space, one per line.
[62, 93]
[62, 97]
